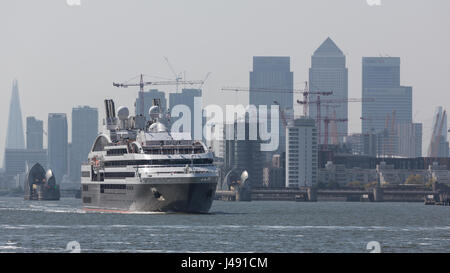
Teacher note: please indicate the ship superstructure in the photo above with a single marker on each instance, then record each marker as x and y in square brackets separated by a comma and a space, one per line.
[138, 165]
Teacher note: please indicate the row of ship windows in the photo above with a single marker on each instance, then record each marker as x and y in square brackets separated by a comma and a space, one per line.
[116, 175]
[122, 163]
[187, 150]
[110, 187]
[158, 151]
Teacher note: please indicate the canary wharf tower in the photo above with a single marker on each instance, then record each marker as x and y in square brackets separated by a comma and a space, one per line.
[328, 72]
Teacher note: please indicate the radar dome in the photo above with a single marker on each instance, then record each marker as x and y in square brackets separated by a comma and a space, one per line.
[157, 127]
[153, 112]
[123, 113]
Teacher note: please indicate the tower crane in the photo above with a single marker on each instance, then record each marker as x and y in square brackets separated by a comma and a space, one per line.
[370, 119]
[326, 121]
[319, 102]
[282, 114]
[141, 85]
[305, 92]
[178, 76]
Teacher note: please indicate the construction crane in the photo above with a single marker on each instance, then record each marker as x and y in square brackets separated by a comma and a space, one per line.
[326, 121]
[204, 80]
[392, 133]
[282, 114]
[305, 92]
[389, 132]
[334, 129]
[370, 119]
[178, 76]
[141, 85]
[319, 102]
[265, 90]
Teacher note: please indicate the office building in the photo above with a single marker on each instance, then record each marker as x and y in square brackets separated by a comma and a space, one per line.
[187, 97]
[272, 82]
[301, 153]
[328, 73]
[149, 96]
[384, 96]
[84, 132]
[35, 134]
[57, 145]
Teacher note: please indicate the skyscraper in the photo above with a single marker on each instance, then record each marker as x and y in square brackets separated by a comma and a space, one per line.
[273, 73]
[35, 131]
[381, 82]
[187, 97]
[57, 144]
[148, 101]
[301, 153]
[15, 138]
[328, 72]
[381, 72]
[84, 132]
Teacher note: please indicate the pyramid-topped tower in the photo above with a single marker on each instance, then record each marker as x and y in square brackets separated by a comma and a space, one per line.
[328, 47]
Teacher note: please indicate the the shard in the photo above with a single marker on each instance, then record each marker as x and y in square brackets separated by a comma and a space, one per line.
[15, 138]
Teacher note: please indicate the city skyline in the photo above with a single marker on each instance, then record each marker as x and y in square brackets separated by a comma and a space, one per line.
[81, 83]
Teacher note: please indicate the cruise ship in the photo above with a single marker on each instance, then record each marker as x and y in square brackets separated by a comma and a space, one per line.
[139, 166]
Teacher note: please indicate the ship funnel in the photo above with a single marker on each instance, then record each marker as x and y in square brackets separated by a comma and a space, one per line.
[111, 120]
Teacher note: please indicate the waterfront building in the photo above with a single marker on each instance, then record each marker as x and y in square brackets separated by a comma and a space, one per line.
[84, 132]
[57, 144]
[35, 133]
[301, 153]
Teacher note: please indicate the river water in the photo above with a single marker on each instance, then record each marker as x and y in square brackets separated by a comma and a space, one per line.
[38, 226]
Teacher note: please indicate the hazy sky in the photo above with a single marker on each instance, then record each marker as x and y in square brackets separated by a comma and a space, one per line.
[65, 56]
